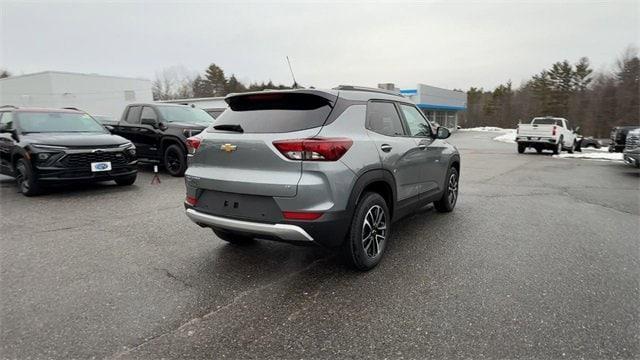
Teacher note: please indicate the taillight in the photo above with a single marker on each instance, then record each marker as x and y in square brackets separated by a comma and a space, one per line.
[554, 131]
[314, 149]
[297, 215]
[191, 200]
[193, 143]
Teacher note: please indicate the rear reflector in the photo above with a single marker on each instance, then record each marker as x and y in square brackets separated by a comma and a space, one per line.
[294, 215]
[314, 149]
[193, 143]
[191, 200]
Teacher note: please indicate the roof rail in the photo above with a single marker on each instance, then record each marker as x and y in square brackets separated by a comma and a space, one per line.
[9, 106]
[369, 89]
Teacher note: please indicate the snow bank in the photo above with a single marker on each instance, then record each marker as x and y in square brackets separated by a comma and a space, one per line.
[508, 137]
[592, 155]
[484, 128]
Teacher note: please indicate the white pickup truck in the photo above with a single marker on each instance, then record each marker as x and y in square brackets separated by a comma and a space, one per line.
[549, 133]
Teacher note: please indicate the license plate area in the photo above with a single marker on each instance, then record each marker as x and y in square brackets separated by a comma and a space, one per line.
[241, 206]
[101, 166]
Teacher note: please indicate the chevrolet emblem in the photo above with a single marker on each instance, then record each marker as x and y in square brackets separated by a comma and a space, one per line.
[228, 147]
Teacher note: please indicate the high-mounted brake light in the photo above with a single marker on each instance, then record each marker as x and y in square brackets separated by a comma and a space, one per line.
[296, 215]
[193, 143]
[314, 149]
[553, 133]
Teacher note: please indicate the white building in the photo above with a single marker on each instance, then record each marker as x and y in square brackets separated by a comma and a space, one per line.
[440, 105]
[93, 93]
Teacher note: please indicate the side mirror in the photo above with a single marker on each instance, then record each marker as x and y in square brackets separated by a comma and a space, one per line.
[576, 129]
[5, 130]
[109, 127]
[442, 133]
[151, 122]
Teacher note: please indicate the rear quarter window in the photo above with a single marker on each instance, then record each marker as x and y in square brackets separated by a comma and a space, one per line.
[275, 113]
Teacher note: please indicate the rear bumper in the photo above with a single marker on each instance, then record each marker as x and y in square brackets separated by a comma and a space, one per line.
[285, 232]
[536, 140]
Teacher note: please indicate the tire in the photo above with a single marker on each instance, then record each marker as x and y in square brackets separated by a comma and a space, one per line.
[572, 148]
[450, 196]
[233, 238]
[126, 180]
[174, 160]
[521, 148]
[26, 179]
[558, 149]
[369, 232]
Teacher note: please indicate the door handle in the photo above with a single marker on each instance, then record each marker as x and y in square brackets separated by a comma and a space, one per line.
[386, 147]
[422, 146]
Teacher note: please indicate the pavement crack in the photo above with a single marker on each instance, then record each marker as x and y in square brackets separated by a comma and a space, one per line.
[210, 314]
[575, 198]
[173, 277]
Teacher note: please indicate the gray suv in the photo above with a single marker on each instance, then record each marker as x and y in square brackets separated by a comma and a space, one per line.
[331, 167]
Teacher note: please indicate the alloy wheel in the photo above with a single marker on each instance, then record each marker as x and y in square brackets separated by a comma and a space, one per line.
[22, 178]
[173, 163]
[452, 190]
[374, 231]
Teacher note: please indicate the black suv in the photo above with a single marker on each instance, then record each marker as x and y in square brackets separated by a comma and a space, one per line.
[618, 137]
[45, 146]
[160, 131]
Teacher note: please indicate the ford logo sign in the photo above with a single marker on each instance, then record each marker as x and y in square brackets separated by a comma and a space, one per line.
[102, 166]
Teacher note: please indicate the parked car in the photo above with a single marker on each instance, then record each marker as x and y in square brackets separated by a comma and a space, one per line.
[586, 142]
[159, 132]
[103, 119]
[632, 148]
[46, 146]
[551, 133]
[618, 137]
[330, 167]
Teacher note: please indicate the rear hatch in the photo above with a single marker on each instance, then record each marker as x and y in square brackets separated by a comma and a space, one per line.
[237, 154]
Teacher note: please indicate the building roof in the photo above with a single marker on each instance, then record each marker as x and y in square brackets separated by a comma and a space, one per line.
[12, 77]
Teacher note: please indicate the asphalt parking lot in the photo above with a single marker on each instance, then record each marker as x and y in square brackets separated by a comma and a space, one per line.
[540, 259]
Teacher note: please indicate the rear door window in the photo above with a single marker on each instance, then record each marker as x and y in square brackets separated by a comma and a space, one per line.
[383, 118]
[274, 112]
[133, 115]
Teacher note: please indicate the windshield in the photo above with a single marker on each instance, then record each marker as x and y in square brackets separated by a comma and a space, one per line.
[185, 114]
[547, 122]
[46, 122]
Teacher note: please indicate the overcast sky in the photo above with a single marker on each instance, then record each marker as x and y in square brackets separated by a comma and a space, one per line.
[447, 44]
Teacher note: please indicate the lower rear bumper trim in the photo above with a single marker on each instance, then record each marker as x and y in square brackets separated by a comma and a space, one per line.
[283, 231]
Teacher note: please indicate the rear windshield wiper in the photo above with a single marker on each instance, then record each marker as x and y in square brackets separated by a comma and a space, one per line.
[229, 127]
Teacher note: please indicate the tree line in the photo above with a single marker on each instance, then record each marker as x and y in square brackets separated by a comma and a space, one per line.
[178, 83]
[594, 101]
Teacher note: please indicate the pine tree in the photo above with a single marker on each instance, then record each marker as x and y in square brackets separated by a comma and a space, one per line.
[235, 86]
[201, 87]
[216, 80]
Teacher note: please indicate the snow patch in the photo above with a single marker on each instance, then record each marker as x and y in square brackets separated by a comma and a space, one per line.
[484, 128]
[509, 137]
[591, 155]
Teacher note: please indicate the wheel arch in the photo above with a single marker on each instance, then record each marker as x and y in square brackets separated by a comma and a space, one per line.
[379, 181]
[167, 141]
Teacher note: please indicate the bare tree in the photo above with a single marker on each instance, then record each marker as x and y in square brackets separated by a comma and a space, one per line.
[175, 82]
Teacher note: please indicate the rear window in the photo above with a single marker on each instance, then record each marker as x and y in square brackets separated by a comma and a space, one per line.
[274, 113]
[547, 122]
